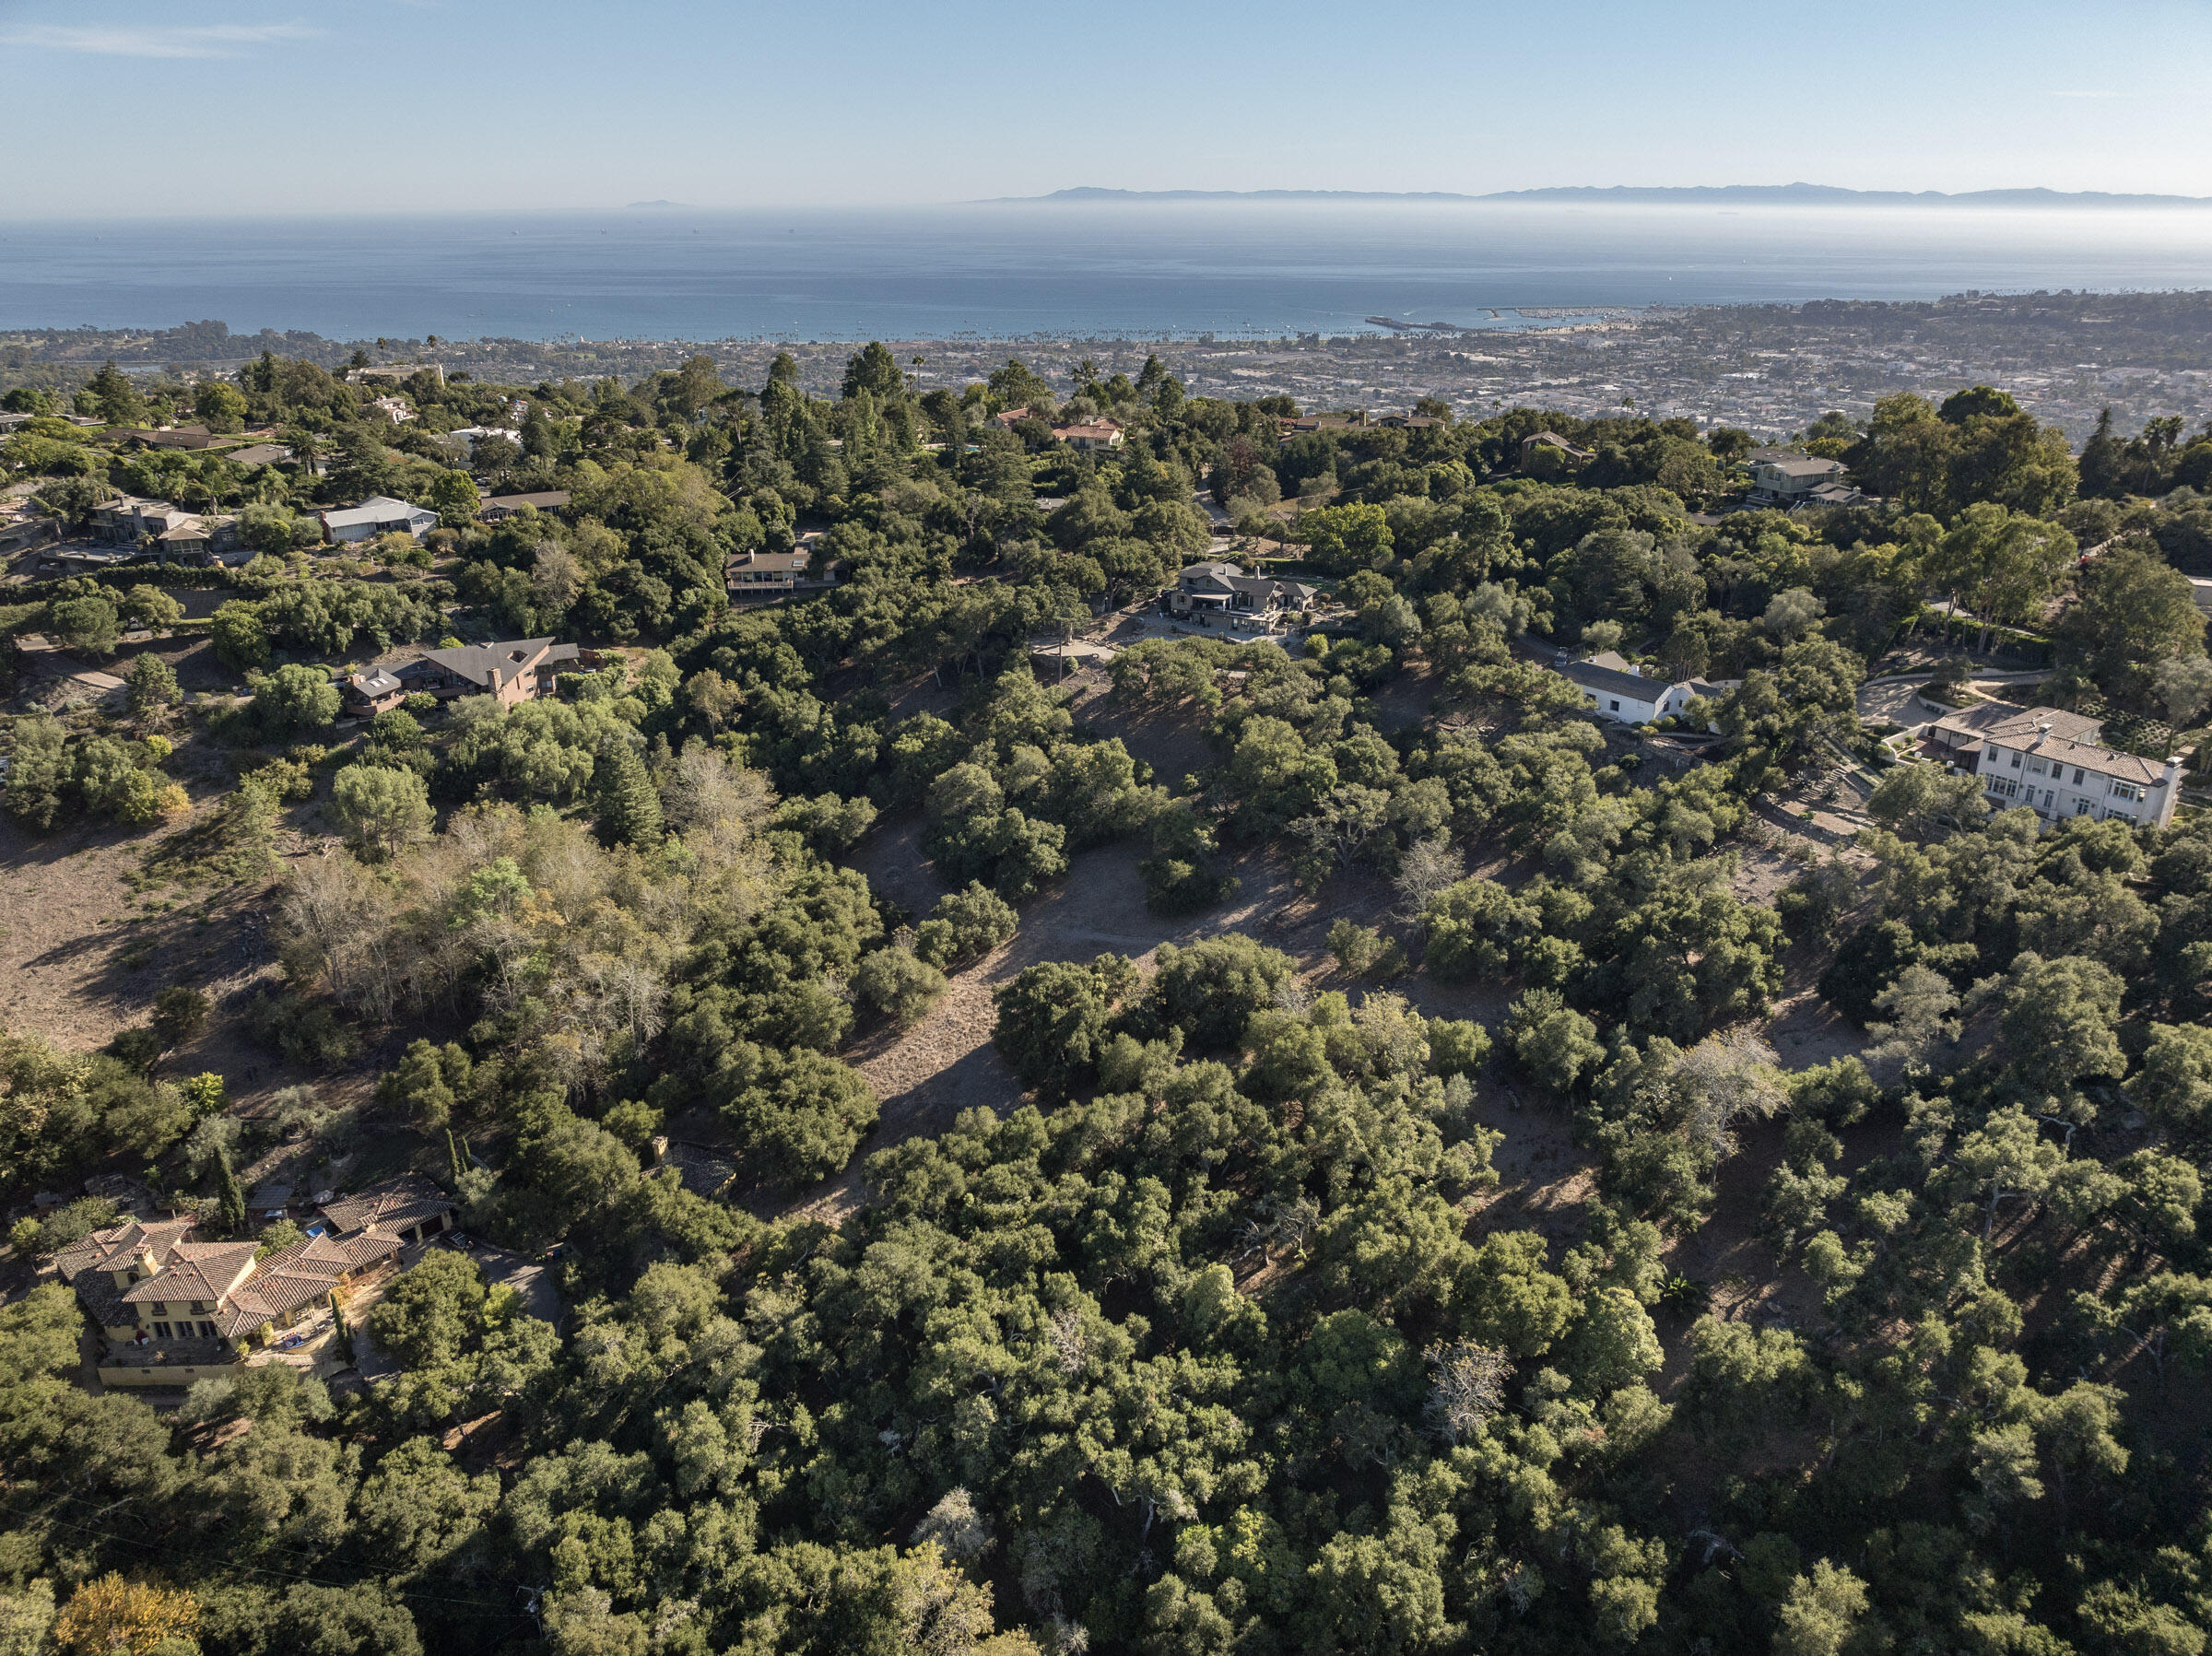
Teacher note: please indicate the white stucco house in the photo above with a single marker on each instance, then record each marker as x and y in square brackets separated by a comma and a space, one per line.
[1616, 688]
[2036, 759]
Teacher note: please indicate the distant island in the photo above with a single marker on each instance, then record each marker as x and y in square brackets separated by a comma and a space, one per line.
[656, 204]
[1672, 196]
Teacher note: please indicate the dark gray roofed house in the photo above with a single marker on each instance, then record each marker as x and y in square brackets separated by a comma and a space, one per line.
[1248, 603]
[374, 691]
[168, 436]
[1615, 688]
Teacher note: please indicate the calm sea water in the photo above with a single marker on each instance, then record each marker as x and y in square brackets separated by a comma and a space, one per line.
[1037, 269]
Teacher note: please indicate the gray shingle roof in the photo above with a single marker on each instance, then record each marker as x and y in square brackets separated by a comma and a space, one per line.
[1590, 675]
[475, 662]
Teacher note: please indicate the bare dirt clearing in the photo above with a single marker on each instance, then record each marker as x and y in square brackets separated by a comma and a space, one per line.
[86, 943]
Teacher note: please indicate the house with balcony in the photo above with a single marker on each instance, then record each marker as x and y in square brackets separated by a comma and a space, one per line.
[128, 519]
[1541, 450]
[202, 538]
[1788, 479]
[1214, 592]
[2031, 760]
[756, 577]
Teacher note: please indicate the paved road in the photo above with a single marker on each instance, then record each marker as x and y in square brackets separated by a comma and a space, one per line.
[1925, 674]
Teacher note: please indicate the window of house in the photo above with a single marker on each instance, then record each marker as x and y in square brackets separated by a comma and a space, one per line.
[206, 1331]
[2035, 768]
[2077, 776]
[1615, 705]
[160, 1330]
[2015, 761]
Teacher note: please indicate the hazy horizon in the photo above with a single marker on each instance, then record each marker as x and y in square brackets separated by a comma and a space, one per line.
[271, 108]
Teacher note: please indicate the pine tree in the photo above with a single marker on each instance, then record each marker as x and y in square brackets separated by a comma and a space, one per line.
[2101, 457]
[117, 399]
[232, 1199]
[629, 810]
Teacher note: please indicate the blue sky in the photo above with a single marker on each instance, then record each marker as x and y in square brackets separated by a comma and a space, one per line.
[133, 106]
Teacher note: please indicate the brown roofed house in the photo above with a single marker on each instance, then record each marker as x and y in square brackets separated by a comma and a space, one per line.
[495, 509]
[1537, 442]
[515, 670]
[174, 1309]
[1091, 437]
[409, 1207]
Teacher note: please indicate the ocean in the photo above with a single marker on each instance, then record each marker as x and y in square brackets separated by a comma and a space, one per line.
[1017, 270]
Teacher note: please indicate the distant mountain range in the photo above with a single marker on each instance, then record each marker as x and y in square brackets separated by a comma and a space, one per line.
[1673, 195]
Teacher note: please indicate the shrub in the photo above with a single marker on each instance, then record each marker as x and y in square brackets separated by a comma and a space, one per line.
[305, 1032]
[397, 729]
[139, 1047]
[1554, 1043]
[180, 1012]
[826, 822]
[287, 781]
[1210, 990]
[800, 1118]
[897, 985]
[383, 810]
[292, 698]
[1457, 1046]
[153, 683]
[63, 1227]
[964, 926]
[242, 642]
[1055, 1019]
[1356, 948]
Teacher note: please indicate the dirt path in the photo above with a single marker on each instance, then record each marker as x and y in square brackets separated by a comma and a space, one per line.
[946, 1063]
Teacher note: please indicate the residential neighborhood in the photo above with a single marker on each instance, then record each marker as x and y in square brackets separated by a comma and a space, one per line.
[775, 872]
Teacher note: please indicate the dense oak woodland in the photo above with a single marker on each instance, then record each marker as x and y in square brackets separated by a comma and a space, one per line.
[1216, 1343]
